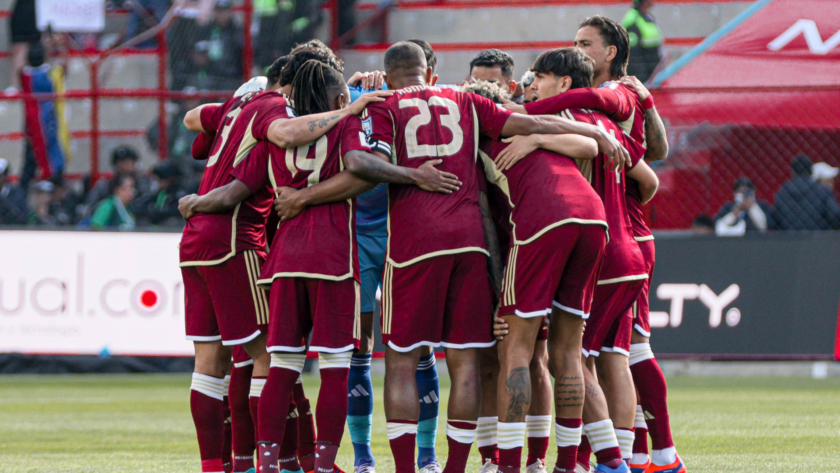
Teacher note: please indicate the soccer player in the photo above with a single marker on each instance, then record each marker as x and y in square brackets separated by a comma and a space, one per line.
[608, 330]
[497, 66]
[372, 236]
[559, 235]
[630, 104]
[221, 253]
[435, 283]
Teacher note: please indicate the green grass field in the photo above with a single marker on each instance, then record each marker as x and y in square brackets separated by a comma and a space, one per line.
[141, 423]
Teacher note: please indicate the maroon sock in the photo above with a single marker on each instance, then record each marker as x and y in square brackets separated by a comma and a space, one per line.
[459, 452]
[288, 449]
[325, 452]
[489, 452]
[510, 460]
[653, 393]
[567, 456]
[584, 453]
[306, 429]
[402, 447]
[332, 405]
[254, 407]
[208, 415]
[241, 422]
[269, 455]
[227, 445]
[537, 449]
[274, 404]
[610, 457]
[640, 444]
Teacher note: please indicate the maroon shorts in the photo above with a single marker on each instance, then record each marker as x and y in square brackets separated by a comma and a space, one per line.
[641, 309]
[560, 269]
[240, 357]
[443, 300]
[607, 326]
[223, 301]
[329, 310]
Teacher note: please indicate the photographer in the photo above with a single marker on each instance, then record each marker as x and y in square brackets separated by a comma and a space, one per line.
[745, 214]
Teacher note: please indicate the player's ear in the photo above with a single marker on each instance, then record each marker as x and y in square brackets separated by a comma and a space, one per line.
[611, 53]
[512, 88]
[434, 79]
[430, 76]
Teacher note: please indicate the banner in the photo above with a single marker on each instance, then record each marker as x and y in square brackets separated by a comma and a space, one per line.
[763, 296]
[91, 293]
[71, 16]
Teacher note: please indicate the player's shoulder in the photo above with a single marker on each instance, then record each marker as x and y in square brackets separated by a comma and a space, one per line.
[622, 89]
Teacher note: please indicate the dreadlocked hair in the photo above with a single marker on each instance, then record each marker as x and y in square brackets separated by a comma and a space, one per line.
[487, 89]
[314, 87]
[300, 56]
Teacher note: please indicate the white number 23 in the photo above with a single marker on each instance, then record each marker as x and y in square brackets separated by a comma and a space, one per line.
[450, 121]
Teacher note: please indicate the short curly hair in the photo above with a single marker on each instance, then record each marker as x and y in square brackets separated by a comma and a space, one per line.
[487, 89]
[494, 58]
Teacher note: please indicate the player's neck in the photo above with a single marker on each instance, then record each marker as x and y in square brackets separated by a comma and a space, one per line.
[410, 81]
[601, 77]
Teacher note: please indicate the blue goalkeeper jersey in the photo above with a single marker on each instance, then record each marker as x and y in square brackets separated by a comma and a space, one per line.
[372, 206]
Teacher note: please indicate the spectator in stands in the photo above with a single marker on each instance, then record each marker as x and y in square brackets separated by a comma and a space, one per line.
[703, 225]
[161, 206]
[803, 204]
[124, 162]
[824, 174]
[113, 212]
[745, 214]
[12, 198]
[64, 202]
[281, 25]
[40, 213]
[645, 40]
[225, 39]
[145, 15]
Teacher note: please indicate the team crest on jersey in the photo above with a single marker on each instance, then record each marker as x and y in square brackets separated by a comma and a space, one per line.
[367, 126]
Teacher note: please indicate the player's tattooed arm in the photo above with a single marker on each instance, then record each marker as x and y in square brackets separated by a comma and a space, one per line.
[518, 386]
[376, 168]
[192, 120]
[655, 137]
[218, 200]
[657, 140]
[289, 202]
[491, 240]
[292, 132]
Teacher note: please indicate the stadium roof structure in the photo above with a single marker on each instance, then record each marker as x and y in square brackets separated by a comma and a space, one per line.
[775, 64]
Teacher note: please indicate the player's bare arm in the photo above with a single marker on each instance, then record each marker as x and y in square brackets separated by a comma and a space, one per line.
[192, 120]
[376, 168]
[289, 133]
[573, 146]
[216, 201]
[289, 202]
[491, 239]
[648, 182]
[518, 124]
[657, 140]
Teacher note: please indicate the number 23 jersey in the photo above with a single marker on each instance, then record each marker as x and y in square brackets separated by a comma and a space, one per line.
[319, 243]
[423, 123]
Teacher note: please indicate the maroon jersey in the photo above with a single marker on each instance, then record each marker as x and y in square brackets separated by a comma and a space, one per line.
[239, 123]
[623, 105]
[319, 243]
[418, 124]
[623, 261]
[545, 189]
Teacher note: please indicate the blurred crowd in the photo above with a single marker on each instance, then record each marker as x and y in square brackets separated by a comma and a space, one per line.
[129, 199]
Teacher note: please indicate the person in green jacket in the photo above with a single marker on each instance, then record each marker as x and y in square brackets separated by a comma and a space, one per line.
[645, 40]
[112, 212]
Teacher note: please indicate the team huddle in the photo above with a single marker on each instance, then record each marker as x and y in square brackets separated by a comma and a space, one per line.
[500, 221]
